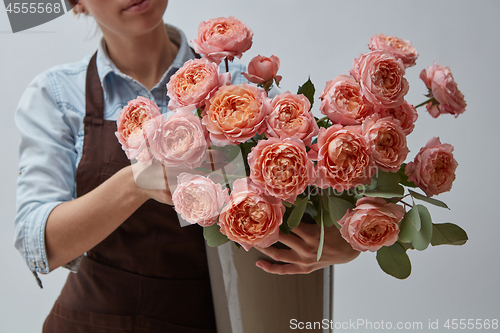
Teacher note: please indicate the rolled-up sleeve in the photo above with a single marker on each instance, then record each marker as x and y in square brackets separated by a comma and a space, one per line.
[47, 162]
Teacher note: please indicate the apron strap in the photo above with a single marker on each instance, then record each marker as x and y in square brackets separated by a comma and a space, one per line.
[94, 98]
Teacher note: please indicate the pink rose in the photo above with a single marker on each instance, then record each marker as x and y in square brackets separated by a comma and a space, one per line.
[405, 113]
[448, 99]
[433, 169]
[222, 37]
[198, 199]
[195, 82]
[380, 76]
[387, 142]
[131, 124]
[342, 102]
[373, 223]
[281, 168]
[344, 160]
[235, 113]
[251, 218]
[262, 69]
[290, 118]
[180, 140]
[398, 47]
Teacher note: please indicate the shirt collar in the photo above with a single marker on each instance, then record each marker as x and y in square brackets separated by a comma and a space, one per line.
[105, 65]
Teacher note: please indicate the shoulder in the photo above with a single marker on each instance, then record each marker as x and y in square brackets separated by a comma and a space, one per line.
[63, 81]
[56, 93]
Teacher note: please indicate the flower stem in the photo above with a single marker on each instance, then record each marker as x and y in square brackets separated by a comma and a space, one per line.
[254, 141]
[227, 64]
[432, 99]
[324, 118]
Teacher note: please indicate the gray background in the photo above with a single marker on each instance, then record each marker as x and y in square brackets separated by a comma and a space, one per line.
[319, 38]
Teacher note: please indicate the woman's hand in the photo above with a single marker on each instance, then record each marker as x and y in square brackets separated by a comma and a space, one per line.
[152, 182]
[303, 243]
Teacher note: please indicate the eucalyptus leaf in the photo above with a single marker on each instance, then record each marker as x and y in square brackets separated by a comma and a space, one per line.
[395, 192]
[297, 213]
[213, 236]
[308, 90]
[406, 246]
[448, 234]
[387, 186]
[233, 153]
[321, 237]
[387, 179]
[421, 238]
[432, 201]
[412, 217]
[394, 261]
[325, 210]
[337, 206]
[311, 210]
[404, 178]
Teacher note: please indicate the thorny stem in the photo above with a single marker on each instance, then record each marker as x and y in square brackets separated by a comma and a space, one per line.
[227, 64]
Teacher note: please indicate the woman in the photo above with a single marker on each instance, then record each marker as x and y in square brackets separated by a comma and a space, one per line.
[142, 272]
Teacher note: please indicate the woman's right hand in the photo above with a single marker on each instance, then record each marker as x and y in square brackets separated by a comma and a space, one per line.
[152, 181]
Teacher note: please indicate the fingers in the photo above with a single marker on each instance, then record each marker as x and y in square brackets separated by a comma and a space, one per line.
[279, 254]
[281, 269]
[308, 232]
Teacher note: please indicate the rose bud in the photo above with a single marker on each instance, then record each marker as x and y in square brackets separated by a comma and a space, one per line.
[263, 69]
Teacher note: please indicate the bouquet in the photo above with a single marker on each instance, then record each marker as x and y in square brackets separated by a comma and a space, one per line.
[248, 166]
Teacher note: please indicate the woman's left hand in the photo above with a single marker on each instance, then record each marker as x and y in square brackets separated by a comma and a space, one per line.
[303, 243]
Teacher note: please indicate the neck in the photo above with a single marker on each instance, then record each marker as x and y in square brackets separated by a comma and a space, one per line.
[145, 58]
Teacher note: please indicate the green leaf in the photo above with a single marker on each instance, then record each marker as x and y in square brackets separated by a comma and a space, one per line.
[311, 210]
[326, 215]
[321, 237]
[233, 153]
[213, 235]
[405, 246]
[287, 204]
[198, 112]
[387, 179]
[394, 261]
[449, 234]
[404, 177]
[395, 193]
[421, 238]
[432, 201]
[337, 206]
[387, 186]
[283, 226]
[412, 217]
[297, 213]
[308, 90]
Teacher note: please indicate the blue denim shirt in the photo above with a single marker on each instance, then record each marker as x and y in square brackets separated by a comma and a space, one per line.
[50, 119]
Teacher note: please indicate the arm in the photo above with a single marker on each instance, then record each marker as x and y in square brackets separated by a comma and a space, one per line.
[76, 226]
[46, 186]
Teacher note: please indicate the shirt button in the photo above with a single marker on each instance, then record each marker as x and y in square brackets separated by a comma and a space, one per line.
[41, 264]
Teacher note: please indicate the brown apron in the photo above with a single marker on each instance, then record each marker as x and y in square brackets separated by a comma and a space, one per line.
[150, 274]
